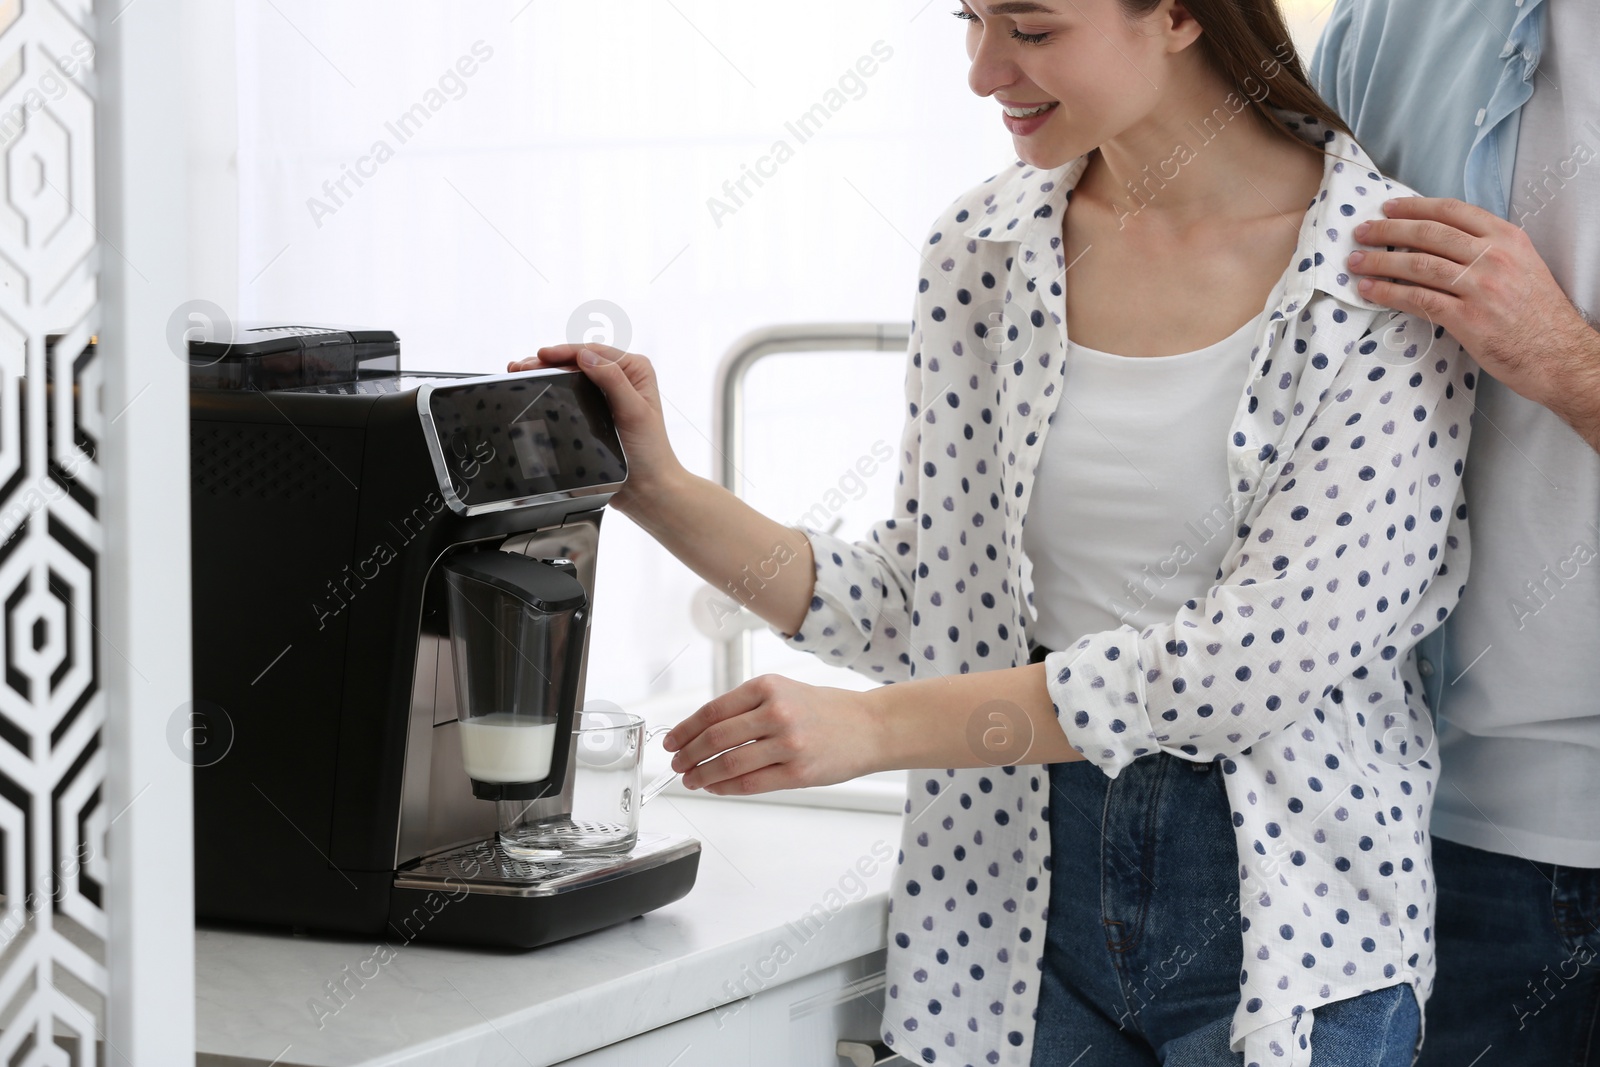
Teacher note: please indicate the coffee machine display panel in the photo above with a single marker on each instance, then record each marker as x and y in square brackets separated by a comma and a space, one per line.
[511, 440]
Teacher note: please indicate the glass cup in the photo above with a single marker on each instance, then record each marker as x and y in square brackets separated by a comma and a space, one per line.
[607, 793]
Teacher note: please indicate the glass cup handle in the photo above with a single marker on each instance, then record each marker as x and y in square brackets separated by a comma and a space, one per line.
[654, 788]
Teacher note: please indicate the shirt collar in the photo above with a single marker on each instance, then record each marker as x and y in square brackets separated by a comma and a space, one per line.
[1027, 203]
[1522, 39]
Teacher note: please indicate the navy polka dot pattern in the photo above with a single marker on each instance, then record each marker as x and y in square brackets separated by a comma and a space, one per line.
[1350, 544]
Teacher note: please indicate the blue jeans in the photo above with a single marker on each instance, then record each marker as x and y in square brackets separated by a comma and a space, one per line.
[1142, 944]
[1519, 962]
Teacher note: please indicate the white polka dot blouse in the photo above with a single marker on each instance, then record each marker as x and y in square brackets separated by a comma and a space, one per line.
[1295, 671]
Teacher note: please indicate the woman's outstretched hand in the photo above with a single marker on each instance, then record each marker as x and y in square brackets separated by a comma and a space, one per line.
[629, 383]
[776, 733]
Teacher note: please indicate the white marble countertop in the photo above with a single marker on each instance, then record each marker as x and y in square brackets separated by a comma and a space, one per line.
[762, 866]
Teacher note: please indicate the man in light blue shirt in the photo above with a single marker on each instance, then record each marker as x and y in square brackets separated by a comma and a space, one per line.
[1497, 103]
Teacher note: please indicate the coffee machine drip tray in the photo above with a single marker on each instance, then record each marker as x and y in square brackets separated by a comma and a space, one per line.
[484, 867]
[477, 893]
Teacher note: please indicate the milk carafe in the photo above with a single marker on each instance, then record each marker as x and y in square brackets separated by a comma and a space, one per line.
[517, 627]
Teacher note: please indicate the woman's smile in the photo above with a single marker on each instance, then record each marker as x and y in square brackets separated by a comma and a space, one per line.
[1024, 120]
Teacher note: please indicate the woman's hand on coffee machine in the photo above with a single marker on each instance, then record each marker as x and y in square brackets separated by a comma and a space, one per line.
[774, 733]
[706, 526]
[629, 383]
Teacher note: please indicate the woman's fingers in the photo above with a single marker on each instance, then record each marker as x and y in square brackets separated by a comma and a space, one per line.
[740, 770]
[774, 733]
[633, 366]
[740, 736]
[719, 724]
[755, 768]
[564, 355]
[625, 378]
[741, 698]
[619, 376]
[568, 353]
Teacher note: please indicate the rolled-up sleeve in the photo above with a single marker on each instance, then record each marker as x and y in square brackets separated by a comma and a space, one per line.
[1327, 579]
[861, 607]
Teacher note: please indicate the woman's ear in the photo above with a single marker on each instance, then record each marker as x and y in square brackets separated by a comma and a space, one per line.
[1179, 24]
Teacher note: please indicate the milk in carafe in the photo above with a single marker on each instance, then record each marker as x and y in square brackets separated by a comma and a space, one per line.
[503, 747]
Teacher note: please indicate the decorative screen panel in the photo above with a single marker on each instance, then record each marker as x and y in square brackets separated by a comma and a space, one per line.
[53, 816]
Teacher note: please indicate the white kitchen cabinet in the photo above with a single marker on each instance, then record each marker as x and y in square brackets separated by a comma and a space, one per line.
[782, 1024]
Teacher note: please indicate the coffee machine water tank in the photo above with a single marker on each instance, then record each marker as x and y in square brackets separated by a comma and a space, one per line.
[332, 497]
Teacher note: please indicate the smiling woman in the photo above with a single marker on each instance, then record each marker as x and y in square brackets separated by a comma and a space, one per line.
[1082, 379]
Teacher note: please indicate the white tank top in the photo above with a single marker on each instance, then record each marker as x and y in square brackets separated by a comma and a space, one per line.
[1131, 512]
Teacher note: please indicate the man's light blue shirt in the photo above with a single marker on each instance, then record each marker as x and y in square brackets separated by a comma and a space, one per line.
[1467, 67]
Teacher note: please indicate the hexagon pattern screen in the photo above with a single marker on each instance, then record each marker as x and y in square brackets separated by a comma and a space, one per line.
[53, 816]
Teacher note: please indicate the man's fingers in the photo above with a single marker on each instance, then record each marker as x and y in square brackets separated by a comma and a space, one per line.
[1418, 300]
[1423, 235]
[1458, 213]
[1417, 268]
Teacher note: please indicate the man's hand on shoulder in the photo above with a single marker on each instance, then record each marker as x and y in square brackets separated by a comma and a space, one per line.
[1479, 277]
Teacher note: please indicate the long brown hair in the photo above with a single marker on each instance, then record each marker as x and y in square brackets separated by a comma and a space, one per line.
[1248, 43]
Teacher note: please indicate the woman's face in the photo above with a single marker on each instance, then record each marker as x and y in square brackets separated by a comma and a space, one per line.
[1103, 73]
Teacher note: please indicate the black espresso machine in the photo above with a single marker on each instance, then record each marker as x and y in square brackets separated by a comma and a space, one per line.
[332, 498]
